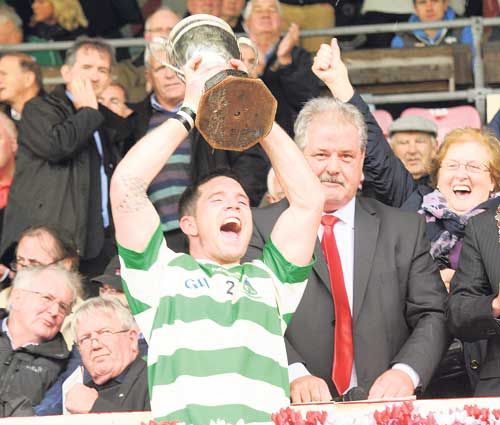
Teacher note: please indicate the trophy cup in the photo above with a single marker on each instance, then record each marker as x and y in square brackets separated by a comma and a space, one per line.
[235, 111]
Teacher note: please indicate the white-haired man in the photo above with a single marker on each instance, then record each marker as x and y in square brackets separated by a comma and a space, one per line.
[32, 350]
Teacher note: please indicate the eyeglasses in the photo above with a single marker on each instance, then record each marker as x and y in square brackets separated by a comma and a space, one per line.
[102, 335]
[47, 300]
[470, 166]
[21, 263]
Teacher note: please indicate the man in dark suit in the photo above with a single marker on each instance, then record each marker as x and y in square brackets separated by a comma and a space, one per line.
[473, 308]
[395, 296]
[115, 375]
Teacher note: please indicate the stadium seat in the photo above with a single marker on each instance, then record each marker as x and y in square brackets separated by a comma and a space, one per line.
[448, 119]
[383, 118]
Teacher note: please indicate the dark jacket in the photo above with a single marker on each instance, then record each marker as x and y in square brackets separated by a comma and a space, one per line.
[472, 290]
[27, 372]
[57, 178]
[125, 393]
[251, 165]
[52, 401]
[386, 177]
[292, 85]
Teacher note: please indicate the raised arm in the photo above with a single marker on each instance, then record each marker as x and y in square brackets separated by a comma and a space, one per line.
[384, 173]
[134, 216]
[295, 232]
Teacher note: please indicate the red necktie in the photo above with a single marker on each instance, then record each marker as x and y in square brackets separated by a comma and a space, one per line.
[343, 348]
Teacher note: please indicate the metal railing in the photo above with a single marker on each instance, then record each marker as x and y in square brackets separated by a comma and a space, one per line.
[477, 94]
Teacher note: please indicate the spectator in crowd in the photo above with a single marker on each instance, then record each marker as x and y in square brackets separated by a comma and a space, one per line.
[284, 66]
[20, 81]
[110, 283]
[413, 140]
[40, 246]
[193, 159]
[431, 11]
[383, 12]
[308, 15]
[209, 7]
[474, 304]
[56, 20]
[114, 97]
[131, 73]
[249, 55]
[30, 338]
[215, 215]
[11, 32]
[274, 192]
[11, 26]
[379, 244]
[463, 180]
[116, 376]
[67, 141]
[8, 148]
[231, 12]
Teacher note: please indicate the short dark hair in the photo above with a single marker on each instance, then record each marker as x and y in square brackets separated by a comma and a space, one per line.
[188, 199]
[27, 64]
[64, 246]
[96, 43]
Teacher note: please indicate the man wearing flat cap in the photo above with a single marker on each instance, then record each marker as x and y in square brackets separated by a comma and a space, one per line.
[413, 140]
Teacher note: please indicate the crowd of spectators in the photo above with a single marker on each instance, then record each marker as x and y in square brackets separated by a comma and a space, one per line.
[72, 169]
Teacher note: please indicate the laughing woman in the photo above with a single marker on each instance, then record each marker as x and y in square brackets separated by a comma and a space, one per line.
[466, 175]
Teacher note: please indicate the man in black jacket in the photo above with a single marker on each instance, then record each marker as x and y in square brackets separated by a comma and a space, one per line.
[68, 147]
[32, 351]
[115, 377]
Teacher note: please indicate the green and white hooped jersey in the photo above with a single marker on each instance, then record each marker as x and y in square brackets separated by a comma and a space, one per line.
[215, 334]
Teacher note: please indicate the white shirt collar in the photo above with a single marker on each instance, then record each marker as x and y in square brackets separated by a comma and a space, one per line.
[346, 213]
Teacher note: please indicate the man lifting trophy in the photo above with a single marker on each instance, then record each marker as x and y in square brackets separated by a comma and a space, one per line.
[235, 111]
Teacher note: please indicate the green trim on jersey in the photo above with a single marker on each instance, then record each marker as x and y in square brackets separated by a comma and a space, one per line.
[243, 309]
[283, 269]
[208, 363]
[215, 333]
[145, 259]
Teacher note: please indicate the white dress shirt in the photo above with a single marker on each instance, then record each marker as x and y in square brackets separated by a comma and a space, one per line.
[344, 231]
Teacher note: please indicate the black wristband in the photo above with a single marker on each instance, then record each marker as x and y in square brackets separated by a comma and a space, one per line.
[189, 111]
[183, 121]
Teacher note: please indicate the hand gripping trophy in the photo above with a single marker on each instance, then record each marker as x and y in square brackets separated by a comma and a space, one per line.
[235, 111]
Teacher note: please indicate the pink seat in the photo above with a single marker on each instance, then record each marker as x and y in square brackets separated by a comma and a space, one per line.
[448, 119]
[384, 119]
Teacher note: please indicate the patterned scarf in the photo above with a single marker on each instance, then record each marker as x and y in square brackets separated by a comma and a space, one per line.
[446, 229]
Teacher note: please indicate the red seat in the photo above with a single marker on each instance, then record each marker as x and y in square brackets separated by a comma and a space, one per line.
[448, 119]
[383, 118]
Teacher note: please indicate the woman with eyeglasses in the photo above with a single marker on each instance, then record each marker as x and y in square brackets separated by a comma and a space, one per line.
[466, 176]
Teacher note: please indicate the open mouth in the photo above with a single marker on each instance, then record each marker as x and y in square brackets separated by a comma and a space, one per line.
[461, 190]
[231, 228]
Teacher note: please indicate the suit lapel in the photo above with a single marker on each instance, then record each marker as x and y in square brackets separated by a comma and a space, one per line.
[366, 228]
[320, 267]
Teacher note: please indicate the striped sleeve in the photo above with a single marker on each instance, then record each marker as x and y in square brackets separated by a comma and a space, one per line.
[141, 274]
[289, 282]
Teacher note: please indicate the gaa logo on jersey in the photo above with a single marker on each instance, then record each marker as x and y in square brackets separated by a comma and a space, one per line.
[249, 290]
